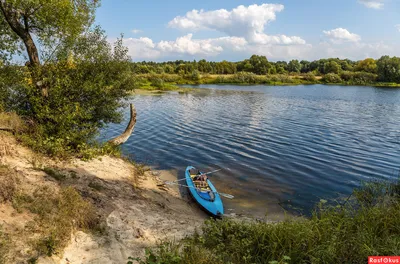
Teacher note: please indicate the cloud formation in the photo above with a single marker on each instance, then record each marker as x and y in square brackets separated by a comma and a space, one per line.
[136, 31]
[245, 22]
[244, 29]
[398, 27]
[374, 4]
[145, 48]
[341, 35]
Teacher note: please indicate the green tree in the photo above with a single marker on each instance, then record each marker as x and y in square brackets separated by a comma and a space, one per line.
[305, 66]
[294, 66]
[367, 65]
[389, 69]
[332, 67]
[50, 21]
[84, 93]
[260, 64]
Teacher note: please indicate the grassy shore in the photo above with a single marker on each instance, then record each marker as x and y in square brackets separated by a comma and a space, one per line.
[367, 224]
[169, 82]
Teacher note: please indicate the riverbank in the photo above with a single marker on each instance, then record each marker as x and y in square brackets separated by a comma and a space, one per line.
[171, 82]
[100, 211]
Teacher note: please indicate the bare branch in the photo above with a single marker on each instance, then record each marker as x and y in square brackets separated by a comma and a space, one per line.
[121, 139]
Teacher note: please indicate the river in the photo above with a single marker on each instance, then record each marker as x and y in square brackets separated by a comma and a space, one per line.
[285, 147]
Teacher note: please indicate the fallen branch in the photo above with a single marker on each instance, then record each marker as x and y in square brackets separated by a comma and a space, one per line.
[121, 139]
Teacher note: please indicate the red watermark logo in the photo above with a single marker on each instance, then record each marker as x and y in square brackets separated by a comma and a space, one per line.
[383, 259]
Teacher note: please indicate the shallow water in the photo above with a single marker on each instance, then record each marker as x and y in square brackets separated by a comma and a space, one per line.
[285, 147]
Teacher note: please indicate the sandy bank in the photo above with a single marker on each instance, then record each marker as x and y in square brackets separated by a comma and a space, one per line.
[138, 213]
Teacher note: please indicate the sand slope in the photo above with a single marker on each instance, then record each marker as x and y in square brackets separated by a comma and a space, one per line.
[138, 212]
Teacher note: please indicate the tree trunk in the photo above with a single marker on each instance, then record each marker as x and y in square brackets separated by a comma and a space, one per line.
[121, 139]
[14, 18]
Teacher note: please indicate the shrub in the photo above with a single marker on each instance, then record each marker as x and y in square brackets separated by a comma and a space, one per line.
[157, 82]
[196, 75]
[83, 94]
[347, 76]
[331, 78]
[309, 77]
[364, 78]
[346, 232]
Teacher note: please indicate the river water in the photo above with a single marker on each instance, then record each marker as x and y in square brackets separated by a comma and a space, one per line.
[285, 147]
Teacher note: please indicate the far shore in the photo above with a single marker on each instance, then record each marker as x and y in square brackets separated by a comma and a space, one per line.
[158, 83]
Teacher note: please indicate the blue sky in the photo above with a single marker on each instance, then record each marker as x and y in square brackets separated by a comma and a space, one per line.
[233, 30]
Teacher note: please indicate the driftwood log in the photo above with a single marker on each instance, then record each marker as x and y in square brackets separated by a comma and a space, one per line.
[121, 139]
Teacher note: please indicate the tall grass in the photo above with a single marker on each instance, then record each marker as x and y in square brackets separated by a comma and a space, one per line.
[367, 224]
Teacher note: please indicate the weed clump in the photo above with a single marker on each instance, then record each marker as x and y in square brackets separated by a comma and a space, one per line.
[58, 215]
[367, 224]
[8, 184]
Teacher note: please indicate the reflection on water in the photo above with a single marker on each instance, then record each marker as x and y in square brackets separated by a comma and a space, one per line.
[284, 146]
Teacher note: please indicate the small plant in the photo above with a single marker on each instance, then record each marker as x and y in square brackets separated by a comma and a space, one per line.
[5, 244]
[346, 233]
[332, 78]
[8, 184]
[37, 161]
[57, 175]
[96, 186]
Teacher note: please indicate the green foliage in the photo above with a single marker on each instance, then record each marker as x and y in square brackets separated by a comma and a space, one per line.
[367, 65]
[196, 75]
[55, 174]
[332, 67]
[368, 224]
[358, 78]
[85, 86]
[310, 77]
[157, 82]
[332, 78]
[389, 69]
[50, 21]
[294, 66]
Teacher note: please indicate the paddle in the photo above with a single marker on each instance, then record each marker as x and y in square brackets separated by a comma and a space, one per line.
[202, 174]
[229, 196]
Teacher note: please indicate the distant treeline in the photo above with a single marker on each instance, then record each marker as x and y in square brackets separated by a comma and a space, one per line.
[385, 69]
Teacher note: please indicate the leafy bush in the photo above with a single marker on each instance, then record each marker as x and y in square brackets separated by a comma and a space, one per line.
[364, 78]
[332, 78]
[157, 82]
[347, 76]
[309, 77]
[196, 75]
[364, 225]
[84, 86]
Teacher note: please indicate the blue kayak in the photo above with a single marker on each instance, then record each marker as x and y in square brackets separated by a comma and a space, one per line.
[204, 192]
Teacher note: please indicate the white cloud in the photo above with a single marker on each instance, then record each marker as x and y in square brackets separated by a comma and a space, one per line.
[341, 35]
[145, 48]
[136, 31]
[244, 27]
[375, 4]
[186, 45]
[353, 50]
[142, 48]
[398, 27]
[246, 22]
